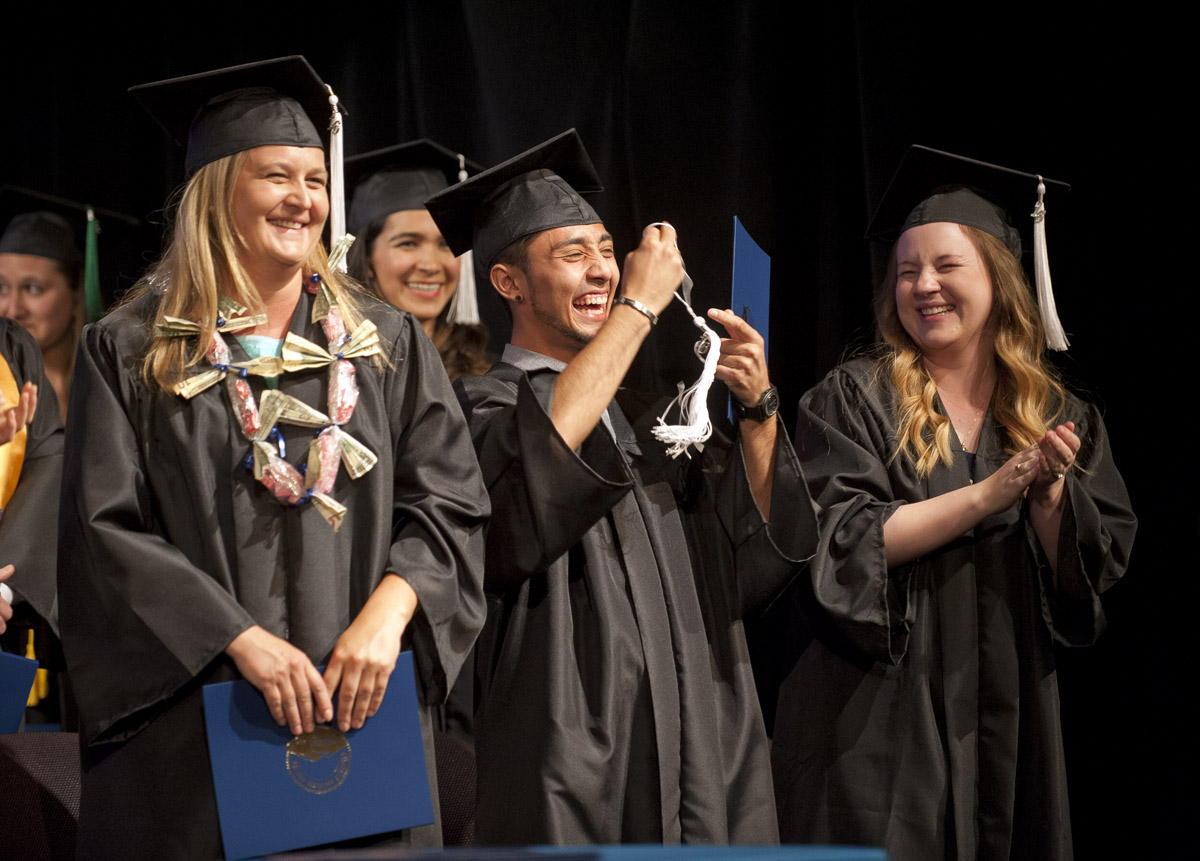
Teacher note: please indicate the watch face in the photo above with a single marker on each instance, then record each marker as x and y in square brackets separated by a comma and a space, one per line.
[770, 401]
[767, 406]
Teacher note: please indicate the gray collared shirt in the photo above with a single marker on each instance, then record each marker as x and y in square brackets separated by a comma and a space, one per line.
[528, 360]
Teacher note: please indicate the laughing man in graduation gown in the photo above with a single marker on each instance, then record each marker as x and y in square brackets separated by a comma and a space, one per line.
[190, 553]
[617, 701]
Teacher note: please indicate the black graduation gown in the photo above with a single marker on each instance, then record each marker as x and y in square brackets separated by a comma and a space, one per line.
[30, 520]
[617, 701]
[924, 716]
[169, 549]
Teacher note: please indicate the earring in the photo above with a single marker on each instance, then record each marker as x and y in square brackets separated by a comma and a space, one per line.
[518, 298]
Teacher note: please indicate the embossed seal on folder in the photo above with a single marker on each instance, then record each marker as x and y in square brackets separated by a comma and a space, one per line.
[319, 761]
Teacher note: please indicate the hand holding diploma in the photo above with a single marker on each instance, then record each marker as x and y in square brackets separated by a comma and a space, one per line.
[365, 654]
[743, 368]
[285, 676]
[743, 365]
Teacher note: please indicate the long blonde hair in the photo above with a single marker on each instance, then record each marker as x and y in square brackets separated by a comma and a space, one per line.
[201, 264]
[1028, 395]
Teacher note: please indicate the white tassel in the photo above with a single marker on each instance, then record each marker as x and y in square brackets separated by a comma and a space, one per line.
[337, 178]
[695, 427]
[463, 306]
[1056, 338]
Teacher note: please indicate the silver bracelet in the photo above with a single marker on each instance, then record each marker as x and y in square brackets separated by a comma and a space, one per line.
[638, 306]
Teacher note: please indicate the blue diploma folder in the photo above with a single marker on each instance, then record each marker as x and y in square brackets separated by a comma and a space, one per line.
[277, 792]
[16, 678]
[751, 299]
[751, 294]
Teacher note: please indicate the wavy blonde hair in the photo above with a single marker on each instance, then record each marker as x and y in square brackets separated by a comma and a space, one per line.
[201, 264]
[1028, 397]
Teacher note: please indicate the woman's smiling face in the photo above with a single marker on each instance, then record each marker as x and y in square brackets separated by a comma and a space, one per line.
[412, 266]
[280, 205]
[943, 291]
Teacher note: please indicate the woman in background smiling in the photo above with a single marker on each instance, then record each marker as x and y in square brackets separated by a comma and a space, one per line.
[400, 253]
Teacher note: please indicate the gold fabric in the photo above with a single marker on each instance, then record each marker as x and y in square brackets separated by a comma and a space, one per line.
[12, 455]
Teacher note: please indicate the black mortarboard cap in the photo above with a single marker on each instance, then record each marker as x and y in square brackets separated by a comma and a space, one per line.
[42, 225]
[42, 234]
[66, 231]
[399, 177]
[931, 186]
[279, 102]
[540, 189]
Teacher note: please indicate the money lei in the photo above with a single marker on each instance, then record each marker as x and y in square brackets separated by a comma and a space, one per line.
[331, 446]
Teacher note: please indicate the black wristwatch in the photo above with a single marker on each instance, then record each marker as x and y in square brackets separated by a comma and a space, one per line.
[766, 407]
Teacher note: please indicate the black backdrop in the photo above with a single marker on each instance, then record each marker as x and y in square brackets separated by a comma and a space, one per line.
[791, 116]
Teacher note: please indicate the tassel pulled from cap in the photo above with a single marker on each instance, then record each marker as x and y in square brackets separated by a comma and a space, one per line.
[695, 426]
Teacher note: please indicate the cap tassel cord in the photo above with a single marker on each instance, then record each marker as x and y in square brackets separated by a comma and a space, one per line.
[337, 177]
[1056, 338]
[464, 306]
[93, 300]
[696, 427]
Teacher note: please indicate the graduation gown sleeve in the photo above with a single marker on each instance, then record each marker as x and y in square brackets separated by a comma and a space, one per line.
[545, 497]
[30, 520]
[118, 571]
[766, 555]
[439, 508]
[844, 437]
[1094, 539]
